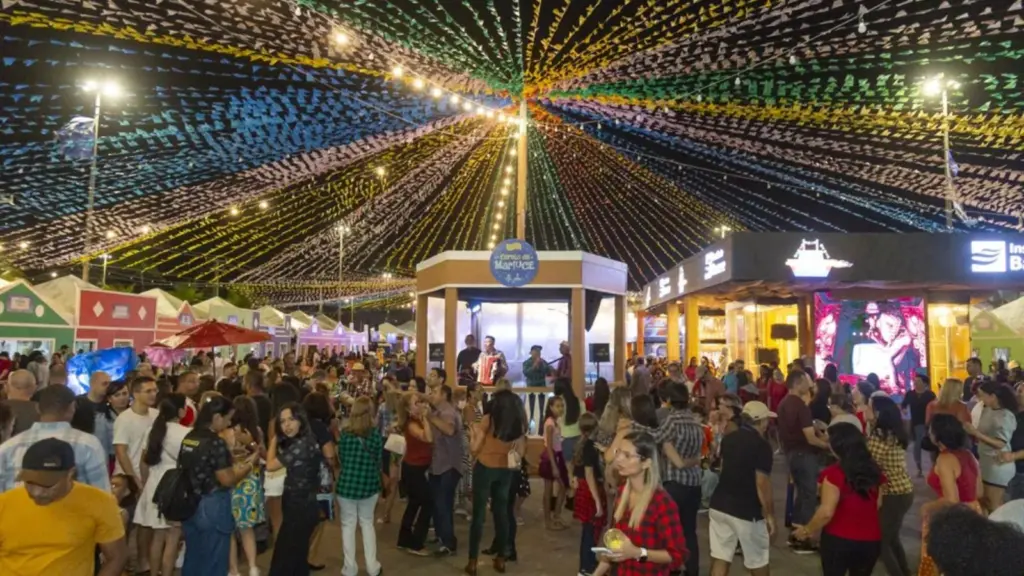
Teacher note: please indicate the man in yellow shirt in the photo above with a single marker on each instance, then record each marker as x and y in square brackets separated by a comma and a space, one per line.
[52, 524]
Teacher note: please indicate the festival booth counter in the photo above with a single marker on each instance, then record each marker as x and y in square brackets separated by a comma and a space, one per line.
[173, 314]
[102, 318]
[327, 338]
[278, 325]
[29, 322]
[396, 337]
[889, 304]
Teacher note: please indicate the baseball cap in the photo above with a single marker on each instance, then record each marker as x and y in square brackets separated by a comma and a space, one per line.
[757, 411]
[47, 462]
[536, 347]
[358, 366]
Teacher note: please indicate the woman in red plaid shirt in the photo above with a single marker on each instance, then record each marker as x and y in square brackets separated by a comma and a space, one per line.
[645, 514]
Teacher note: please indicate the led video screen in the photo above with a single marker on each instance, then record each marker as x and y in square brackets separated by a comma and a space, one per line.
[884, 337]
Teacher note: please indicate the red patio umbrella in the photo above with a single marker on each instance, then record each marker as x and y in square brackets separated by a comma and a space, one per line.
[211, 334]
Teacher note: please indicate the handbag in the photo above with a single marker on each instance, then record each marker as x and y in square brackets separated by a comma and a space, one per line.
[395, 443]
[515, 459]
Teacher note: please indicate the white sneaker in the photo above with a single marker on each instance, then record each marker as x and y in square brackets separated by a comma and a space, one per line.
[254, 571]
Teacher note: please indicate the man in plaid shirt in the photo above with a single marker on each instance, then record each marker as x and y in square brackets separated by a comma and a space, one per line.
[56, 408]
[681, 437]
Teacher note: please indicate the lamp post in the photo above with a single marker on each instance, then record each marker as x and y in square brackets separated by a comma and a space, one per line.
[110, 89]
[103, 281]
[342, 230]
[381, 173]
[939, 86]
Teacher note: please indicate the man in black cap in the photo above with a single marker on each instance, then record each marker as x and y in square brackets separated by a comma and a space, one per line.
[535, 368]
[84, 517]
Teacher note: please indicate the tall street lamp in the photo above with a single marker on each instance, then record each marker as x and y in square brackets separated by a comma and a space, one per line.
[112, 90]
[103, 282]
[939, 86]
[342, 230]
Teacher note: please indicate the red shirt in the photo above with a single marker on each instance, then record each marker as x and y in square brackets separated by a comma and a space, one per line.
[856, 517]
[190, 413]
[659, 530]
[417, 452]
[776, 392]
[966, 483]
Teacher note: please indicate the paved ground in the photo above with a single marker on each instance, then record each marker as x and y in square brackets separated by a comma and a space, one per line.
[543, 553]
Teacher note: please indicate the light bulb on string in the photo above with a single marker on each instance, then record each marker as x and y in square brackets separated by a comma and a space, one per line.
[454, 99]
[435, 92]
[862, 26]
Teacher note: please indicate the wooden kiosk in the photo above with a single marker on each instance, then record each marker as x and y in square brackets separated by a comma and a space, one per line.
[573, 277]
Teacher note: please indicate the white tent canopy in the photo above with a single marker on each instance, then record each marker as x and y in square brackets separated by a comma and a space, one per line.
[167, 305]
[62, 294]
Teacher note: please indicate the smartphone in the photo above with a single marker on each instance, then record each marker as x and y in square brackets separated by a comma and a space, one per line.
[601, 550]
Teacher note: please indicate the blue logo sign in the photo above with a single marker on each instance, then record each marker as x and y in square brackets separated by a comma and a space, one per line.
[514, 263]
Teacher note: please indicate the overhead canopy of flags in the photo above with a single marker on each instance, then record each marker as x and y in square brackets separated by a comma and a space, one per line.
[248, 132]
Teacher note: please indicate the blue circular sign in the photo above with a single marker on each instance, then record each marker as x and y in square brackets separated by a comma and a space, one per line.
[514, 263]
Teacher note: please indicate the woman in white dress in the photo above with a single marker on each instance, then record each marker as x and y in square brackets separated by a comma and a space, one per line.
[161, 455]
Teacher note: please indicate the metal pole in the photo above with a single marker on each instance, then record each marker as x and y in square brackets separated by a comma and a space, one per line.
[103, 283]
[341, 268]
[521, 174]
[92, 185]
[949, 169]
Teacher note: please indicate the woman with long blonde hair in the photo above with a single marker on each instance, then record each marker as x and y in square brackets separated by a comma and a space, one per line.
[649, 536]
[950, 401]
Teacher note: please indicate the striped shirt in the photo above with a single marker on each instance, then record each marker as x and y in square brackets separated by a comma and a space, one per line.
[682, 429]
[90, 458]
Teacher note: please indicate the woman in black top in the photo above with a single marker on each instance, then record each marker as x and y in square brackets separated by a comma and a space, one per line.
[207, 458]
[295, 447]
[917, 401]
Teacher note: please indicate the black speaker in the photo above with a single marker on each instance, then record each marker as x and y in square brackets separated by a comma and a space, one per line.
[436, 352]
[783, 332]
[768, 355]
[600, 353]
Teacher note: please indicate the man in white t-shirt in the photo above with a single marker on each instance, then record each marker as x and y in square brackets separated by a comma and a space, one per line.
[131, 429]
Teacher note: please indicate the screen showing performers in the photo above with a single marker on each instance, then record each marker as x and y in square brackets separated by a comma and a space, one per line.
[861, 337]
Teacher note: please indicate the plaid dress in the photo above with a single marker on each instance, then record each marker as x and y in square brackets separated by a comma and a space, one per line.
[360, 465]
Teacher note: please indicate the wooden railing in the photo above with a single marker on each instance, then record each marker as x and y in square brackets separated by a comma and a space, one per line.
[534, 399]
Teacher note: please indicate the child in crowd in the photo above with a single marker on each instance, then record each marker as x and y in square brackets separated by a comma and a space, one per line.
[588, 482]
[552, 466]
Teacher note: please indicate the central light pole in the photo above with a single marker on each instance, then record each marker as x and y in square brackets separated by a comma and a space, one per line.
[723, 230]
[342, 230]
[521, 174]
[110, 89]
[939, 86]
[103, 280]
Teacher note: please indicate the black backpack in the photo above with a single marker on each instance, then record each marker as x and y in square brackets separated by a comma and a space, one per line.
[175, 497]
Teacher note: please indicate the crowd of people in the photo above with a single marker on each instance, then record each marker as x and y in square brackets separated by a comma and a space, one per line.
[205, 468]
